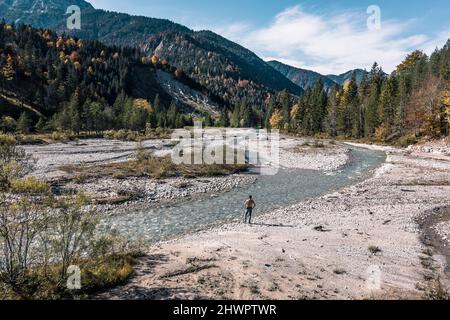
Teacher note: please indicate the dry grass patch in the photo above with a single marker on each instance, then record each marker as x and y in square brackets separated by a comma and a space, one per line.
[152, 167]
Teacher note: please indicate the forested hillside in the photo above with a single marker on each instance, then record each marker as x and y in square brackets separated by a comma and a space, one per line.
[225, 68]
[67, 83]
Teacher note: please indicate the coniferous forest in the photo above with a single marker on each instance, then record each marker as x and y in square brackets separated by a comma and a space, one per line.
[62, 83]
[413, 101]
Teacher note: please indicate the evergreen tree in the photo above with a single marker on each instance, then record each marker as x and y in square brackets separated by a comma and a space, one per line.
[24, 123]
[388, 106]
[372, 120]
[284, 104]
[352, 100]
[318, 108]
[224, 120]
[236, 117]
[270, 110]
[208, 121]
[172, 114]
[157, 104]
[332, 111]
[41, 125]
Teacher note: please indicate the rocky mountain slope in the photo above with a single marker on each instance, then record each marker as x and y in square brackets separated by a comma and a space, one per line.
[306, 78]
[225, 68]
[301, 77]
[343, 78]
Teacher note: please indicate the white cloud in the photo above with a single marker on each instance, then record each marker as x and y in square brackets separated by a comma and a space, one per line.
[437, 42]
[331, 43]
[232, 31]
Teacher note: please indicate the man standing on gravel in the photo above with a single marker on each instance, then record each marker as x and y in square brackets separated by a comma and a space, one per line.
[250, 204]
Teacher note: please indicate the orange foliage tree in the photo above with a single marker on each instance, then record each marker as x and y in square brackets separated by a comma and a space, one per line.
[424, 110]
[276, 121]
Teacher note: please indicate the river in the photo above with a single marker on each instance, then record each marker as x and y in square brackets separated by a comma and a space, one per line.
[288, 187]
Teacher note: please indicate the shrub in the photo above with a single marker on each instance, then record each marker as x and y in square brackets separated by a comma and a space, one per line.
[8, 124]
[21, 223]
[12, 160]
[59, 136]
[39, 242]
[407, 140]
[381, 134]
[29, 185]
[375, 250]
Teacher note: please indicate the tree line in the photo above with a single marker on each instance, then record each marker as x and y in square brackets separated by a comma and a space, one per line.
[76, 85]
[85, 86]
[414, 100]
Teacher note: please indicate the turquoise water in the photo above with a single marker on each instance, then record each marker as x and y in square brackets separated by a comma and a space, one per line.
[270, 192]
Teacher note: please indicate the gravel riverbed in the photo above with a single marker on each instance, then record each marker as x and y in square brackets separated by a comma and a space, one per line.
[49, 159]
[361, 242]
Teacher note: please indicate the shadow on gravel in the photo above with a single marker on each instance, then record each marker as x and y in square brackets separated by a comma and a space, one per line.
[138, 293]
[272, 225]
[131, 291]
[430, 237]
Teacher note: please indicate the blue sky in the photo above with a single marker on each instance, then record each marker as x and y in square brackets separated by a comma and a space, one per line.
[328, 36]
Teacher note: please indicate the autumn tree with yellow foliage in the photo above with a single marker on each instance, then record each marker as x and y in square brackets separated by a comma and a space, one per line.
[8, 70]
[276, 121]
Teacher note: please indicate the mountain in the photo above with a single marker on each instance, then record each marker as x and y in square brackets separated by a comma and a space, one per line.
[41, 72]
[225, 68]
[343, 78]
[306, 78]
[39, 13]
[301, 77]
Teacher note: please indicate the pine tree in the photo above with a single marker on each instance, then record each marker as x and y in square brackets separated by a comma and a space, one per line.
[363, 93]
[372, 120]
[235, 117]
[284, 104]
[172, 114]
[208, 121]
[352, 100]
[119, 110]
[404, 86]
[388, 106]
[41, 125]
[157, 104]
[318, 110]
[24, 123]
[73, 114]
[270, 110]
[224, 120]
[96, 111]
[247, 115]
[332, 111]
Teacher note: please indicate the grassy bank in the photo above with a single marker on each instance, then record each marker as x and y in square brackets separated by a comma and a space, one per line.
[148, 165]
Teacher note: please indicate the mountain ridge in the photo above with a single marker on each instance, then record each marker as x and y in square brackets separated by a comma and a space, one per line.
[307, 78]
[227, 69]
[346, 76]
[302, 77]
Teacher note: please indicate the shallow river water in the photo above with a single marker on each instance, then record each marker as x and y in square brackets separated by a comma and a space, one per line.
[270, 192]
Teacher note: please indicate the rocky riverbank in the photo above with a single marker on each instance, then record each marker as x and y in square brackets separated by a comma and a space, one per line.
[113, 194]
[364, 241]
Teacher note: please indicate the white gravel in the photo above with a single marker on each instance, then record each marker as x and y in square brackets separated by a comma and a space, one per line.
[50, 158]
[335, 247]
